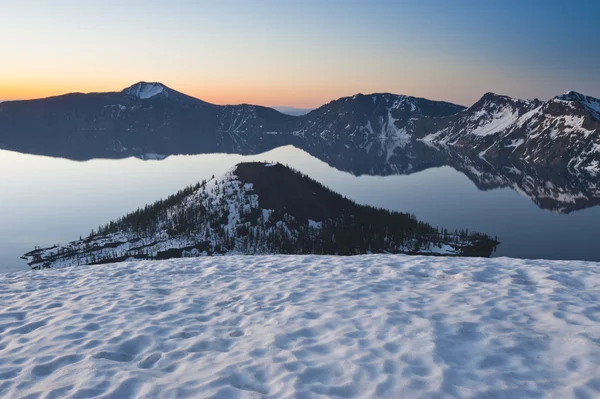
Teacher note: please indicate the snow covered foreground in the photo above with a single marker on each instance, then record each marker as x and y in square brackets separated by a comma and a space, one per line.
[303, 326]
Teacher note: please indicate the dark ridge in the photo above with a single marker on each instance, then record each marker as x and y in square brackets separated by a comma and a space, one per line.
[369, 102]
[286, 190]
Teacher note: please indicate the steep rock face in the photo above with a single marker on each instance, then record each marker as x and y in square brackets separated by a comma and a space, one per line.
[564, 131]
[259, 208]
[491, 115]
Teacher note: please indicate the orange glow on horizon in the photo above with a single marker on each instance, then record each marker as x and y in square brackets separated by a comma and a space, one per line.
[226, 94]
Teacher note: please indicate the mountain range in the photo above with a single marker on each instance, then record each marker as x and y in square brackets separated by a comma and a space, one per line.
[259, 208]
[550, 151]
[384, 130]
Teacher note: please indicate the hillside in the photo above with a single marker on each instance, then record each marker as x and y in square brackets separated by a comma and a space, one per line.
[376, 326]
[259, 208]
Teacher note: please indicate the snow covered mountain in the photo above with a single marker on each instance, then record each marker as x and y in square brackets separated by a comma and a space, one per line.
[564, 131]
[375, 131]
[259, 208]
[146, 118]
[144, 90]
[156, 90]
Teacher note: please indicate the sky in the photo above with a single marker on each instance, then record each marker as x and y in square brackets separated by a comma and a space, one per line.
[301, 53]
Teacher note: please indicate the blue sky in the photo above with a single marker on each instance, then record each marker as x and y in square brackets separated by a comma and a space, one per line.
[302, 53]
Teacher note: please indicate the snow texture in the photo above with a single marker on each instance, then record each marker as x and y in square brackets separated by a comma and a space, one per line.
[303, 327]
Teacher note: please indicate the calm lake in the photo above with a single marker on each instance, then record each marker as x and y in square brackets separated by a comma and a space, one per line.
[45, 201]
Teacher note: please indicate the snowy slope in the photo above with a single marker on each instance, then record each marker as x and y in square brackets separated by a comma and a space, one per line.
[303, 327]
[491, 115]
[157, 90]
[144, 90]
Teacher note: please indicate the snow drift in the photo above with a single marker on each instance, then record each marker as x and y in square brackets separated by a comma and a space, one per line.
[303, 326]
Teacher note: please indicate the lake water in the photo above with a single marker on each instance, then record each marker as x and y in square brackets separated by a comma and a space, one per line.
[45, 201]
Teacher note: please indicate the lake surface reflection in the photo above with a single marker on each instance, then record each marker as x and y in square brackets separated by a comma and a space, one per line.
[44, 201]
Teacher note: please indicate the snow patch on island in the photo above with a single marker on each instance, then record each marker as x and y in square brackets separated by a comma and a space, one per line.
[313, 224]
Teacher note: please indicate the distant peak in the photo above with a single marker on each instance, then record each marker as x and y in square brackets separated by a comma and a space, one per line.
[360, 99]
[490, 98]
[592, 104]
[572, 96]
[252, 165]
[144, 90]
[374, 96]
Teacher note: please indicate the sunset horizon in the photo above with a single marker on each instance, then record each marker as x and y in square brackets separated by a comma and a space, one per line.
[299, 54]
[219, 101]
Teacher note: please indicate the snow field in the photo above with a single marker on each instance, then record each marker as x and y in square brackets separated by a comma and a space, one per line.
[303, 327]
